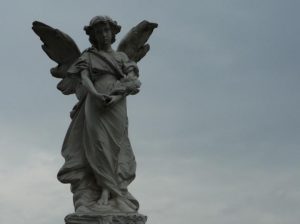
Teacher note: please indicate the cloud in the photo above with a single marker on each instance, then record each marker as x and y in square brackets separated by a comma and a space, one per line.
[215, 128]
[30, 191]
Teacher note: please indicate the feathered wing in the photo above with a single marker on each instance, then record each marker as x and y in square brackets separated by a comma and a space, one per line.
[62, 49]
[134, 44]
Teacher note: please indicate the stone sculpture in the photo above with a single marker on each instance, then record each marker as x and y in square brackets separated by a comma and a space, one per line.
[99, 161]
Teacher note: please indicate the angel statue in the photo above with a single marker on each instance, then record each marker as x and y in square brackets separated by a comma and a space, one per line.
[99, 161]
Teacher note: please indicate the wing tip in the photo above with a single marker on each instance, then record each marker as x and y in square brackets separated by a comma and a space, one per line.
[149, 24]
[37, 25]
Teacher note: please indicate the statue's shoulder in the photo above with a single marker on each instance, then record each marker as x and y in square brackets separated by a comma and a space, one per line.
[121, 56]
[87, 51]
[87, 54]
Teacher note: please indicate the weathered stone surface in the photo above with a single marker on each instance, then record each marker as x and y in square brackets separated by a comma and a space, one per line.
[99, 161]
[94, 218]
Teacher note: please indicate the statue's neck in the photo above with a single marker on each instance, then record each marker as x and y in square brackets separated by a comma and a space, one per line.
[106, 48]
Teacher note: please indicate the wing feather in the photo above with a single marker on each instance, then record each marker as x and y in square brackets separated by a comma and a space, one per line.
[59, 46]
[134, 42]
[62, 49]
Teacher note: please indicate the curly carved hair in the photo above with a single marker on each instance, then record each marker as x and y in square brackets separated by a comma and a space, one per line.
[89, 30]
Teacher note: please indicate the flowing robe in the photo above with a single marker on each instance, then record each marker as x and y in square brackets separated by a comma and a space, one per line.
[96, 148]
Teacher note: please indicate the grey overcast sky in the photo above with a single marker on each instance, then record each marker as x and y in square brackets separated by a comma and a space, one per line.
[215, 129]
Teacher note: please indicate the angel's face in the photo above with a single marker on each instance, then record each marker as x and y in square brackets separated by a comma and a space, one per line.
[103, 34]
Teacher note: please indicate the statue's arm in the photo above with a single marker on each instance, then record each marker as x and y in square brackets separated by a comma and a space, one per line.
[129, 84]
[88, 84]
[132, 78]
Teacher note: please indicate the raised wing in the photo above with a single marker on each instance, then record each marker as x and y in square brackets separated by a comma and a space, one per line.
[134, 43]
[62, 49]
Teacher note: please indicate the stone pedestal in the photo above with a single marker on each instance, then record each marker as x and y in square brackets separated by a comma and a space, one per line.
[116, 218]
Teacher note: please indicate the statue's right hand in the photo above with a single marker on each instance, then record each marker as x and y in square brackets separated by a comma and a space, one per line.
[103, 97]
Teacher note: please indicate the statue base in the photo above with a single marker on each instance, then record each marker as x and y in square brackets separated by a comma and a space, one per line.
[114, 218]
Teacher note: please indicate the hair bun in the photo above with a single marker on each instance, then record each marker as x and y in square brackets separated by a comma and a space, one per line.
[100, 19]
